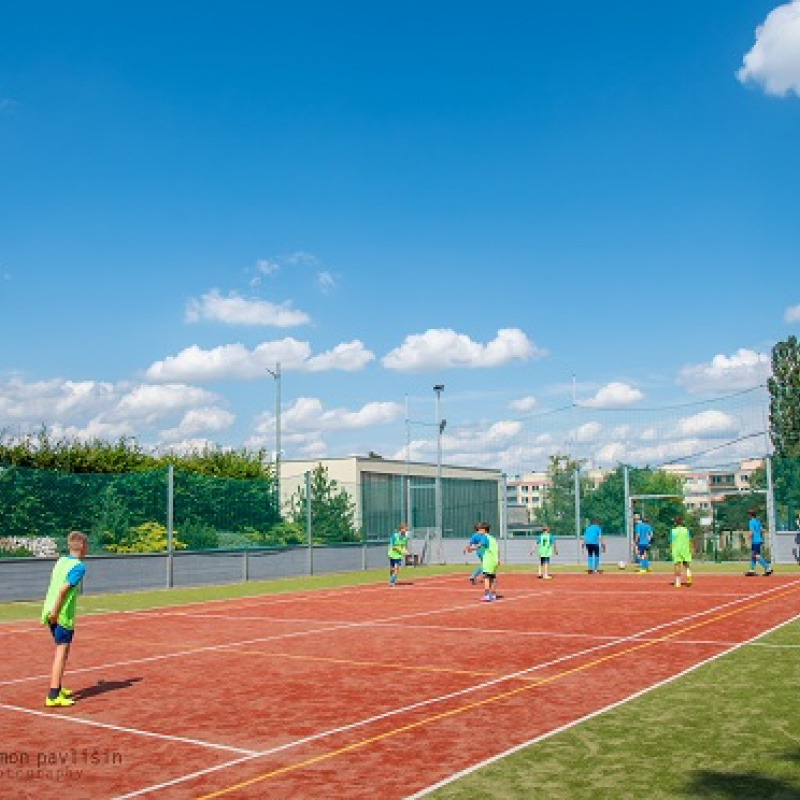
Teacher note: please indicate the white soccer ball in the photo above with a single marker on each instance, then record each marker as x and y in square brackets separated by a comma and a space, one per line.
[621, 564]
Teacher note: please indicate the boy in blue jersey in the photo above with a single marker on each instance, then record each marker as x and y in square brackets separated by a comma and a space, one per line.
[398, 547]
[490, 560]
[593, 544]
[643, 537]
[58, 613]
[756, 543]
[477, 540]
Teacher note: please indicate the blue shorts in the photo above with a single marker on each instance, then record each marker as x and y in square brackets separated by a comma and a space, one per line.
[395, 562]
[755, 548]
[642, 549]
[61, 635]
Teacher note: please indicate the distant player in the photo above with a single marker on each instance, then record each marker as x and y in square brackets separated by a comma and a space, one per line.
[546, 545]
[398, 547]
[477, 540]
[643, 537]
[756, 543]
[681, 543]
[489, 561]
[593, 544]
[58, 613]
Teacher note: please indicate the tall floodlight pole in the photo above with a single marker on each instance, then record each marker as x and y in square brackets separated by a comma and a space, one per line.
[276, 375]
[440, 423]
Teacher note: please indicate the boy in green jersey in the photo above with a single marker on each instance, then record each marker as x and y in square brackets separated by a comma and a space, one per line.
[58, 612]
[547, 547]
[398, 547]
[681, 544]
[489, 561]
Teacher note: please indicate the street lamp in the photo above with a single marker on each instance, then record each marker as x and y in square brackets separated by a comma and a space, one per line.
[276, 374]
[439, 388]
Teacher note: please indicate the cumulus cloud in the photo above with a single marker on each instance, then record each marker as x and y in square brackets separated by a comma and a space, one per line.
[235, 361]
[743, 370]
[792, 314]
[523, 404]
[94, 409]
[237, 310]
[306, 422]
[774, 60]
[614, 395]
[707, 423]
[440, 348]
[208, 419]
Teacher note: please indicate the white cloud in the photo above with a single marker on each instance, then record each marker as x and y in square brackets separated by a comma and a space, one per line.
[707, 423]
[237, 310]
[89, 409]
[439, 348]
[774, 60]
[743, 370]
[523, 404]
[208, 419]
[792, 314]
[614, 395]
[326, 282]
[348, 356]
[235, 361]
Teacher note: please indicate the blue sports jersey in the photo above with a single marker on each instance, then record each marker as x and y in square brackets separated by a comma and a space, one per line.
[755, 531]
[592, 534]
[479, 540]
[643, 533]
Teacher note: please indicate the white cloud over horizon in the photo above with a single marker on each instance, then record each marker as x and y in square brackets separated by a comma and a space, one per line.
[792, 314]
[774, 60]
[237, 310]
[724, 374]
[614, 395]
[444, 348]
[236, 362]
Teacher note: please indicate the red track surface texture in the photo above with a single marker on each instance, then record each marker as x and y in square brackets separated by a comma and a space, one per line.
[357, 692]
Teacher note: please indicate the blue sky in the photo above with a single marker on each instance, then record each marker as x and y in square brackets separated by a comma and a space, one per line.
[521, 201]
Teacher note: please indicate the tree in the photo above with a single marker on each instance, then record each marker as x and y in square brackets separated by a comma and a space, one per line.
[332, 510]
[558, 506]
[784, 393]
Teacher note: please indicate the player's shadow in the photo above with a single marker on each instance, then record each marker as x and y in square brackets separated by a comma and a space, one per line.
[404, 583]
[102, 686]
[735, 785]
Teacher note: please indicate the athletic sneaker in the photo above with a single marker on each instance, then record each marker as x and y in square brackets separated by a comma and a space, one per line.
[539, 577]
[472, 581]
[768, 572]
[547, 577]
[51, 702]
[487, 598]
[641, 571]
[688, 581]
[65, 692]
[750, 573]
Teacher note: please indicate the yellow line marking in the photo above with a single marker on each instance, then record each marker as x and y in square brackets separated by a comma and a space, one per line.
[485, 701]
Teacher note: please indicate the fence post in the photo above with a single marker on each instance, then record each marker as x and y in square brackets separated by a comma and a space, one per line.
[309, 535]
[577, 478]
[170, 522]
[770, 507]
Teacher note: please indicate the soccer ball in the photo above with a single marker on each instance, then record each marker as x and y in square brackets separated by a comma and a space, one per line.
[621, 564]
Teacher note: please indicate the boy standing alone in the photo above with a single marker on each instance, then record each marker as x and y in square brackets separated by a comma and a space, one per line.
[59, 610]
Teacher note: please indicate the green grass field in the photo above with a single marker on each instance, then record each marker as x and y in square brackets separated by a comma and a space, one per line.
[729, 729]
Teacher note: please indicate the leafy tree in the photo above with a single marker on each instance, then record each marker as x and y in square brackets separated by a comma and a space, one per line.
[784, 392]
[558, 504]
[332, 509]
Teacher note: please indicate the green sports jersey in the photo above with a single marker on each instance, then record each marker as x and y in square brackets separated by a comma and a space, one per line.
[66, 616]
[491, 556]
[397, 545]
[681, 541]
[545, 544]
